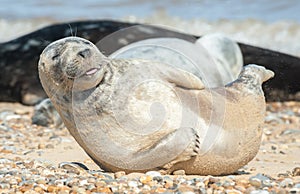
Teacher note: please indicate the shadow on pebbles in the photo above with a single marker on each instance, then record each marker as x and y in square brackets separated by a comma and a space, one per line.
[36, 159]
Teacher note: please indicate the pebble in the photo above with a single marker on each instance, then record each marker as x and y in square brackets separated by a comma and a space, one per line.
[296, 171]
[233, 191]
[297, 185]
[179, 172]
[259, 192]
[294, 191]
[153, 173]
[145, 179]
[73, 167]
[119, 174]
[286, 183]
[132, 183]
[255, 182]
[19, 175]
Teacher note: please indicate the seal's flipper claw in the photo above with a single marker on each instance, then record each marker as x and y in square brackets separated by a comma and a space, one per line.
[172, 145]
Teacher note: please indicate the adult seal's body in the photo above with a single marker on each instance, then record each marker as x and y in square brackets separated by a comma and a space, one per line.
[138, 115]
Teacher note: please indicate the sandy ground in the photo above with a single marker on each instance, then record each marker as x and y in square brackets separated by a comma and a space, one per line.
[278, 156]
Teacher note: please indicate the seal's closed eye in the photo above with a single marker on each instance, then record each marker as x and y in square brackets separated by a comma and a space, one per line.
[85, 53]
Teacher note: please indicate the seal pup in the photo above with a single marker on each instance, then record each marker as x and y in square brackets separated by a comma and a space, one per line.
[219, 57]
[105, 104]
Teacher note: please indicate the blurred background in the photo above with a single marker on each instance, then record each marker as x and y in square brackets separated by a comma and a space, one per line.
[273, 24]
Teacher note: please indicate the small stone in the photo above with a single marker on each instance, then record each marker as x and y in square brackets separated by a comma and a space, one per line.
[41, 181]
[59, 182]
[134, 175]
[4, 186]
[296, 171]
[64, 192]
[80, 190]
[153, 173]
[259, 192]
[240, 188]
[132, 184]
[284, 175]
[31, 192]
[287, 182]
[50, 146]
[25, 188]
[39, 189]
[52, 189]
[100, 184]
[41, 146]
[274, 147]
[145, 179]
[91, 180]
[200, 185]
[5, 151]
[114, 189]
[185, 189]
[297, 185]
[232, 191]
[158, 179]
[242, 182]
[267, 132]
[168, 182]
[90, 187]
[163, 172]
[290, 131]
[160, 190]
[83, 182]
[13, 182]
[259, 180]
[255, 182]
[294, 191]
[119, 174]
[73, 167]
[179, 172]
[4, 161]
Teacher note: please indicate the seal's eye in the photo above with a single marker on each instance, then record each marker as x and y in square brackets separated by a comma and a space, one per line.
[85, 53]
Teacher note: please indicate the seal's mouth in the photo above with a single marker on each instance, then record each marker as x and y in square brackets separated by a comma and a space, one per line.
[91, 71]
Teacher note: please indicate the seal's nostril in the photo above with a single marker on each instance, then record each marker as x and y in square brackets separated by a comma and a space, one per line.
[55, 57]
[85, 53]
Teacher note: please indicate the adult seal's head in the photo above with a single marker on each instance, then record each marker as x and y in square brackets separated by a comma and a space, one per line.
[69, 59]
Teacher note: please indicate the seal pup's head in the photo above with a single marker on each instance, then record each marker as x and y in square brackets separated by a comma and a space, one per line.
[251, 79]
[70, 60]
[257, 73]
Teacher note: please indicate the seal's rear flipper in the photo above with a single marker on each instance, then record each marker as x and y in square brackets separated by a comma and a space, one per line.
[180, 145]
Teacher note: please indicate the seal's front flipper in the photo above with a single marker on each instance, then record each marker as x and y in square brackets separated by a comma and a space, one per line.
[181, 78]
